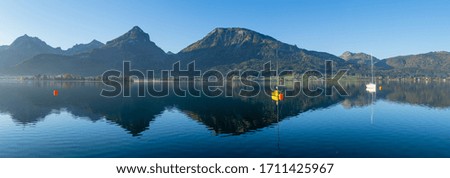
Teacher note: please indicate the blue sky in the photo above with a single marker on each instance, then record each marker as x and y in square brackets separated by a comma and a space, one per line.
[384, 28]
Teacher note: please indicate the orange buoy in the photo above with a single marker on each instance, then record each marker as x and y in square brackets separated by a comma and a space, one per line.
[55, 92]
[380, 88]
[281, 97]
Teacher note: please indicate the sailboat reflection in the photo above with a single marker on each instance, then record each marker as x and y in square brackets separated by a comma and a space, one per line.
[277, 97]
[372, 103]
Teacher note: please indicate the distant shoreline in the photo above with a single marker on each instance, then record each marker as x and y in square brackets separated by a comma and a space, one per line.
[348, 78]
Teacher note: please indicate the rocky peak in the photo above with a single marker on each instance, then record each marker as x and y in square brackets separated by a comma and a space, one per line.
[349, 56]
[26, 41]
[135, 36]
[225, 37]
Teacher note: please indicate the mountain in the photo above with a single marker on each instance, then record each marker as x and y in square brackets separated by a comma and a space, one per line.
[134, 46]
[431, 61]
[23, 48]
[136, 36]
[358, 58]
[360, 63]
[428, 64]
[84, 48]
[240, 48]
[433, 64]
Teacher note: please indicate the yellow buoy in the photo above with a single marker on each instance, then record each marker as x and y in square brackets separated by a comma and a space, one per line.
[275, 96]
[380, 88]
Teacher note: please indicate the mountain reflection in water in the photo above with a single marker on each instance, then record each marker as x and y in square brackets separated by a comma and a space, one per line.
[30, 102]
[323, 126]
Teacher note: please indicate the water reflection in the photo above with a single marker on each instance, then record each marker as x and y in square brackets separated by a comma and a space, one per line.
[30, 102]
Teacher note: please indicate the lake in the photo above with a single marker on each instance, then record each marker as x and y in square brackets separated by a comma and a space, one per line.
[403, 119]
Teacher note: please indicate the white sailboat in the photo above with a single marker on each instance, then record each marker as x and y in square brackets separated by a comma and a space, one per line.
[371, 87]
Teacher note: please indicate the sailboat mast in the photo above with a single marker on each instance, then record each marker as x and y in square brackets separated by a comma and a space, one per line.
[278, 77]
[371, 64]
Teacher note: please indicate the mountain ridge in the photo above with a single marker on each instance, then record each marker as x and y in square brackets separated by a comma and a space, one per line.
[222, 49]
[426, 64]
[231, 47]
[84, 48]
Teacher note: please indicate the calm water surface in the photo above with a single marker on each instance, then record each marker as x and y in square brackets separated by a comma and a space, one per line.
[401, 120]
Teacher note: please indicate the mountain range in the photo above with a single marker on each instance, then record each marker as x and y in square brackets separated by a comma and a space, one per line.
[222, 49]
